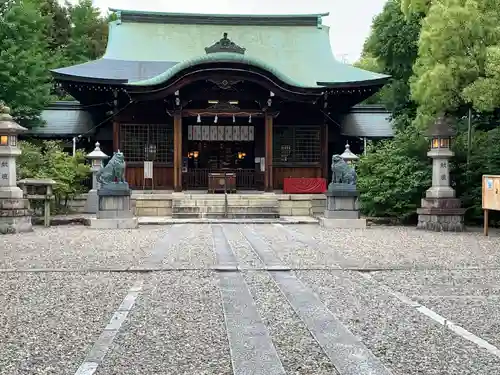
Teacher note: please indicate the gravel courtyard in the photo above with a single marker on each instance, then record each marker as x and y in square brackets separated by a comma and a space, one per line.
[249, 299]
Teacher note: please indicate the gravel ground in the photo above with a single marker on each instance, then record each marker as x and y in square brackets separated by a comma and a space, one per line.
[442, 283]
[295, 253]
[49, 321]
[241, 248]
[405, 340]
[407, 247]
[298, 350]
[469, 298]
[188, 246]
[176, 327]
[77, 247]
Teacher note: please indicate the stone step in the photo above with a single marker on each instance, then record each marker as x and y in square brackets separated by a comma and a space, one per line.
[213, 215]
[221, 209]
[229, 204]
[238, 209]
[220, 206]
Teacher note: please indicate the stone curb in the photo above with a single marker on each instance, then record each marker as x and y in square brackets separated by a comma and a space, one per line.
[85, 220]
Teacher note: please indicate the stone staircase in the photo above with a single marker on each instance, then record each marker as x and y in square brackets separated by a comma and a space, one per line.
[230, 206]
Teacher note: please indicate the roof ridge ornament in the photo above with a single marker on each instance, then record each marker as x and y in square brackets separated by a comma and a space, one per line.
[225, 45]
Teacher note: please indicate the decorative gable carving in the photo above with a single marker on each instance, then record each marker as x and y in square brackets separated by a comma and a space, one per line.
[225, 45]
[223, 106]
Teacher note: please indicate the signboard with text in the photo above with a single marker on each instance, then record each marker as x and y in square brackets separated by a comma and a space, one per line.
[491, 192]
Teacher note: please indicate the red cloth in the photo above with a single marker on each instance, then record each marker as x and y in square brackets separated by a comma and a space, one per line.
[304, 185]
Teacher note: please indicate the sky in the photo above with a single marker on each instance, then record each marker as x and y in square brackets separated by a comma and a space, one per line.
[349, 20]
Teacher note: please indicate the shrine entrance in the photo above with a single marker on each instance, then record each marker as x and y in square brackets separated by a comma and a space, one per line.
[225, 146]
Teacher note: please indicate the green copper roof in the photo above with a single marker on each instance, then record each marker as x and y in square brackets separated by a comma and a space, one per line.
[301, 55]
[147, 48]
[217, 57]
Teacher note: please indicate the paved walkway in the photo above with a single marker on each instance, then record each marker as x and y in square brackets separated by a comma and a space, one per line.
[249, 299]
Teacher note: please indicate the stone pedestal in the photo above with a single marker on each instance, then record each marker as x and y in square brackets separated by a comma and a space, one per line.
[114, 209]
[441, 214]
[92, 202]
[342, 209]
[440, 210]
[15, 216]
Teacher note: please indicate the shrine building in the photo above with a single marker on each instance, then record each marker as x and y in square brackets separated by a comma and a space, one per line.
[259, 96]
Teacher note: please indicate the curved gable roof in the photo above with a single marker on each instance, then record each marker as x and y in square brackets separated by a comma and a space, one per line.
[293, 46]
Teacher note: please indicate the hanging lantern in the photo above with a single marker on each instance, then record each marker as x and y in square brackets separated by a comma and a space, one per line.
[234, 119]
[250, 119]
[216, 119]
[198, 119]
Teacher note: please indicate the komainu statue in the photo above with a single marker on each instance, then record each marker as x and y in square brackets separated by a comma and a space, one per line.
[342, 173]
[113, 172]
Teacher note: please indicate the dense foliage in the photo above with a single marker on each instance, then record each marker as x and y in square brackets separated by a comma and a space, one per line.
[394, 175]
[39, 35]
[443, 55]
[393, 44]
[24, 75]
[48, 159]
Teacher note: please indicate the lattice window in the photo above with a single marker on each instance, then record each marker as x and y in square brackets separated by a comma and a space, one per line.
[296, 144]
[147, 142]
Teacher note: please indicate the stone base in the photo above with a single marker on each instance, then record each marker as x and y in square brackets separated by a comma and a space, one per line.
[342, 223]
[15, 217]
[441, 215]
[115, 206]
[345, 214]
[120, 188]
[92, 202]
[125, 223]
[336, 189]
[342, 205]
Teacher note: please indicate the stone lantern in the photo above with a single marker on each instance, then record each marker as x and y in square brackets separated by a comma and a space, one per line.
[14, 209]
[348, 155]
[96, 158]
[441, 210]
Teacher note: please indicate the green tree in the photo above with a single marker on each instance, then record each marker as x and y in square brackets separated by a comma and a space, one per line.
[89, 33]
[393, 42]
[49, 160]
[58, 32]
[371, 64]
[456, 40]
[394, 175]
[409, 7]
[25, 82]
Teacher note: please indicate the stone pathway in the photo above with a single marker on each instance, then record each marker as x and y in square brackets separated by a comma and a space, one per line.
[249, 299]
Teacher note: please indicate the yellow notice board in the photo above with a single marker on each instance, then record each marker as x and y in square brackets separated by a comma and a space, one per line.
[491, 192]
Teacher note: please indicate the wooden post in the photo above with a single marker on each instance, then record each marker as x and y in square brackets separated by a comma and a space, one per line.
[486, 222]
[324, 152]
[116, 136]
[46, 213]
[268, 176]
[178, 152]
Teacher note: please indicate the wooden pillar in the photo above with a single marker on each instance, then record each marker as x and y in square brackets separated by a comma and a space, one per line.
[325, 162]
[268, 176]
[178, 152]
[116, 135]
